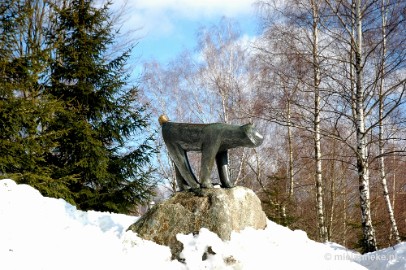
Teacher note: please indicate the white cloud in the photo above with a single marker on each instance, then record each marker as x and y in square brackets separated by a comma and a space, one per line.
[159, 16]
[197, 8]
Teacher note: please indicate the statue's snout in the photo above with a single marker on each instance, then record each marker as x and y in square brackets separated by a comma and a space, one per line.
[254, 136]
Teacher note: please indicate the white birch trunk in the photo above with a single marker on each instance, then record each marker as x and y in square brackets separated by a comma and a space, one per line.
[394, 229]
[317, 138]
[369, 239]
[290, 146]
[240, 168]
[344, 213]
[332, 197]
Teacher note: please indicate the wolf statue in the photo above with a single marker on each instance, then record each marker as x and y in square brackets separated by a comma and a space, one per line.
[213, 141]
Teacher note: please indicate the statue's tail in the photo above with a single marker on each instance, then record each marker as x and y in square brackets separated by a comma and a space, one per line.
[163, 119]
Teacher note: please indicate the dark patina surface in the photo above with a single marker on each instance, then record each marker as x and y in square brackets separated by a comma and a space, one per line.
[213, 141]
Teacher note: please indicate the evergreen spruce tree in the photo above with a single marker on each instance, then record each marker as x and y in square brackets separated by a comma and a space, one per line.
[101, 114]
[25, 109]
[9, 106]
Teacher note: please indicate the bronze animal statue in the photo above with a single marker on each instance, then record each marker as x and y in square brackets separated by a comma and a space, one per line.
[213, 141]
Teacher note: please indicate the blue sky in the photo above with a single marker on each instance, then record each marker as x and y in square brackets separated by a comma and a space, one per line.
[169, 26]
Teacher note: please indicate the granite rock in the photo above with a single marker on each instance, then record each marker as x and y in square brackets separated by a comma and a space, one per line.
[218, 210]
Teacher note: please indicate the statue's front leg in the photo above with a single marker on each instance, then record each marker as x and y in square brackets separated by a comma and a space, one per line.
[222, 167]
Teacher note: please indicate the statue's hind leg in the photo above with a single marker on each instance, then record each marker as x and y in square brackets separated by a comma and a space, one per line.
[180, 181]
[179, 157]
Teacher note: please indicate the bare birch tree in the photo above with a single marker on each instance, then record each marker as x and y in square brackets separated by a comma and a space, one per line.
[303, 39]
[223, 73]
[368, 230]
[356, 29]
[317, 134]
[208, 85]
[381, 129]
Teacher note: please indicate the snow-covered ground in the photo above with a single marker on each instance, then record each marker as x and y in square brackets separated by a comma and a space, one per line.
[45, 233]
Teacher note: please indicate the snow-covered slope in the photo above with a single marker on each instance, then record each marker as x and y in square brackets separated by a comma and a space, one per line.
[45, 233]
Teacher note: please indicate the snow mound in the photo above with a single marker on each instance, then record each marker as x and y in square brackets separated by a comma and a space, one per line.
[37, 232]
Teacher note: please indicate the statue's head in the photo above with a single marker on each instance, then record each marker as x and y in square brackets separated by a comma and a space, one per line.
[254, 136]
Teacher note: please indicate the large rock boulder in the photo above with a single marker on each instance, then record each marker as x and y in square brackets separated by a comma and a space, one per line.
[219, 210]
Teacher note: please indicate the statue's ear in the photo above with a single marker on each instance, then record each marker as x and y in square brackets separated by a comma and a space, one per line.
[247, 127]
